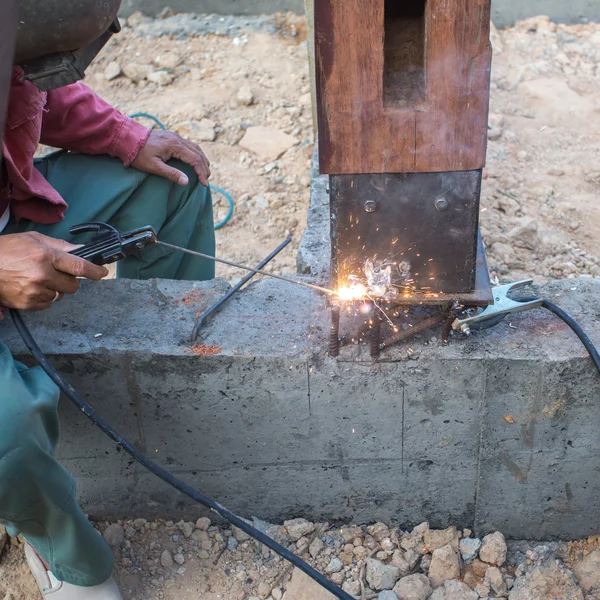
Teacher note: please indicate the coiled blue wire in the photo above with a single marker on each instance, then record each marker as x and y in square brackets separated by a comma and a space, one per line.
[213, 188]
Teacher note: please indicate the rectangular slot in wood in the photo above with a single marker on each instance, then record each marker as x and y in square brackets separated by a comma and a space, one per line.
[404, 54]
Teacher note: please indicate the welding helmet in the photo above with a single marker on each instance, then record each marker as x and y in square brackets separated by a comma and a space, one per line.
[58, 39]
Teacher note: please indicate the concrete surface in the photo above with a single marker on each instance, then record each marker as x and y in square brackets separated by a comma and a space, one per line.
[498, 431]
[505, 12]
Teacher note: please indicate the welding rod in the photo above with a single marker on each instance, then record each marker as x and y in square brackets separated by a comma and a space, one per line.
[255, 271]
[236, 288]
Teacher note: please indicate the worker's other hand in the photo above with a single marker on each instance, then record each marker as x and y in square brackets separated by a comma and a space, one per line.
[34, 267]
[161, 147]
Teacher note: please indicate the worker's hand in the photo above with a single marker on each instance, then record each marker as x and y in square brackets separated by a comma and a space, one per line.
[162, 146]
[34, 267]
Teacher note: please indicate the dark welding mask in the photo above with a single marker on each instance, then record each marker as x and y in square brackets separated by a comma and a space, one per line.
[58, 39]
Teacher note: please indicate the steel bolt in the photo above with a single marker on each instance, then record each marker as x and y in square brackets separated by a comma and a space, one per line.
[441, 204]
[370, 206]
[465, 329]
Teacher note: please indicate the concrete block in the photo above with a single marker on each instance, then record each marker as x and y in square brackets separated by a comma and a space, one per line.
[495, 431]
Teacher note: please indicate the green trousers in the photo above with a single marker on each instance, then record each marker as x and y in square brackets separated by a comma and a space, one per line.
[37, 495]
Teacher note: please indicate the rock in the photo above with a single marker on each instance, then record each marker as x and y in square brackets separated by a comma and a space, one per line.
[381, 576]
[479, 568]
[494, 580]
[316, 547]
[412, 558]
[112, 71]
[179, 558]
[556, 172]
[161, 77]
[483, 591]
[136, 72]
[493, 549]
[435, 539]
[186, 528]
[387, 595]
[413, 587]
[469, 547]
[338, 578]
[546, 581]
[166, 560]
[335, 566]
[587, 570]
[444, 566]
[296, 528]
[399, 561]
[379, 531]
[240, 536]
[525, 235]
[203, 523]
[454, 590]
[352, 588]
[264, 589]
[114, 535]
[245, 97]
[302, 587]
[277, 593]
[352, 532]
[267, 143]
[201, 131]
[425, 563]
[168, 60]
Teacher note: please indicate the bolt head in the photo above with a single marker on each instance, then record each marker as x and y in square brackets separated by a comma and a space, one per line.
[465, 329]
[370, 206]
[441, 204]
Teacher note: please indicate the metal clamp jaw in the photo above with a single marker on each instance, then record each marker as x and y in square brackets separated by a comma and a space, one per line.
[110, 245]
[503, 305]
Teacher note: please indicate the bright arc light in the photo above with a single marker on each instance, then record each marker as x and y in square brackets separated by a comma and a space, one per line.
[353, 292]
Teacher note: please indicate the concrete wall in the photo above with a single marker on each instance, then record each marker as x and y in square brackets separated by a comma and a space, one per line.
[498, 431]
[505, 12]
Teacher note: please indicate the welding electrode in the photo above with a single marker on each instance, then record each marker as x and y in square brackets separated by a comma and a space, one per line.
[256, 271]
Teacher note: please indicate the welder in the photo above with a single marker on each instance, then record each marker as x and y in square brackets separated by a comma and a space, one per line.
[109, 168]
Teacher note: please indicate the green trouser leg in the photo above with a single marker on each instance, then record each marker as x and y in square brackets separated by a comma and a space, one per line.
[37, 496]
[99, 188]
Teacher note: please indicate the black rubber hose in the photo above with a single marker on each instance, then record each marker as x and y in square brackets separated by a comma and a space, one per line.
[574, 325]
[179, 485]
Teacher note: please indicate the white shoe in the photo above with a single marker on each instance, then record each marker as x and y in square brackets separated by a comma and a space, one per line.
[59, 590]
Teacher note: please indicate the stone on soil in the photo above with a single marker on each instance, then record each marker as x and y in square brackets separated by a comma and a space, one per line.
[587, 570]
[387, 595]
[494, 580]
[413, 587]
[435, 539]
[245, 96]
[493, 549]
[381, 576]
[444, 566]
[112, 71]
[161, 77]
[316, 547]
[298, 528]
[267, 143]
[469, 547]
[455, 590]
[114, 535]
[545, 582]
[203, 523]
[166, 560]
[302, 587]
[136, 72]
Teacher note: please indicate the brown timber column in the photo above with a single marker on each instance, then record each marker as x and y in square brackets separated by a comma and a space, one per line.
[402, 101]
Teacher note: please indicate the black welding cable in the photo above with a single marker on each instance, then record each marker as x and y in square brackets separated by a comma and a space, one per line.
[574, 325]
[179, 485]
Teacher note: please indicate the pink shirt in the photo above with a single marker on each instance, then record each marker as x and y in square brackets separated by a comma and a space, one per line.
[71, 118]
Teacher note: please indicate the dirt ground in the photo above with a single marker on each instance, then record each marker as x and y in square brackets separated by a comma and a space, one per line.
[540, 206]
